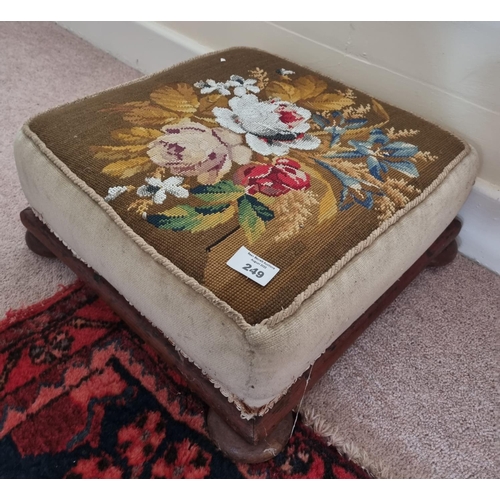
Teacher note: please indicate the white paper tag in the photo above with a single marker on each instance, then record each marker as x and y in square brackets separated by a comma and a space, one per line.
[252, 266]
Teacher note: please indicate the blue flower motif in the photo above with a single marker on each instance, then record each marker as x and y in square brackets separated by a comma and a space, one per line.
[338, 130]
[353, 190]
[381, 154]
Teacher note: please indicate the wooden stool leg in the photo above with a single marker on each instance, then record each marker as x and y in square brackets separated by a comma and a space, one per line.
[446, 256]
[35, 246]
[239, 450]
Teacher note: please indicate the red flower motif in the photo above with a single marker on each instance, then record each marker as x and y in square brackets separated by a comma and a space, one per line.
[273, 180]
[289, 116]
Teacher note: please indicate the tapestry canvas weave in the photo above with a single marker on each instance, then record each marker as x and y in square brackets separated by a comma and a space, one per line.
[242, 148]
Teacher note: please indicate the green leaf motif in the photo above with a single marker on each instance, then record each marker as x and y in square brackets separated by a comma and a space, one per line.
[211, 209]
[252, 214]
[175, 223]
[192, 219]
[222, 192]
[264, 212]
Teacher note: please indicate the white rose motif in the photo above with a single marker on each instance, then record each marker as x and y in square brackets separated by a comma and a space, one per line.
[270, 127]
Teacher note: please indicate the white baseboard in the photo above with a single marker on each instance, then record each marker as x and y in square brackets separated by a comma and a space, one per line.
[480, 236]
[145, 45]
[151, 47]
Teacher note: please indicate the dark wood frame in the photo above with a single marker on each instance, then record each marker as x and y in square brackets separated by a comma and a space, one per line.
[258, 430]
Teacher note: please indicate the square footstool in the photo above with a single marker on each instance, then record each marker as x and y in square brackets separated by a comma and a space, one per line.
[248, 217]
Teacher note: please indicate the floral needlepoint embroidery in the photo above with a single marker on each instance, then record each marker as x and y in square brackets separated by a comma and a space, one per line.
[285, 72]
[194, 149]
[211, 86]
[267, 148]
[381, 154]
[157, 189]
[114, 192]
[273, 180]
[270, 127]
[242, 86]
[239, 85]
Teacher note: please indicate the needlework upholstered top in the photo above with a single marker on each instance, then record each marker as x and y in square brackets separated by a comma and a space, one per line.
[242, 148]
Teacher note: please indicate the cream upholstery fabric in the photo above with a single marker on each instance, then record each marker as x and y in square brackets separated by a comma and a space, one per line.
[256, 366]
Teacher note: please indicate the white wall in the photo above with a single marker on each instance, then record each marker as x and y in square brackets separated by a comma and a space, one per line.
[447, 72]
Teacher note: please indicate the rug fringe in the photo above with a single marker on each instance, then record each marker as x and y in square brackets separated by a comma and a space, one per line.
[15, 315]
[326, 430]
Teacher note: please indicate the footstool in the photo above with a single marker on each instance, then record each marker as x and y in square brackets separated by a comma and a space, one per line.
[246, 216]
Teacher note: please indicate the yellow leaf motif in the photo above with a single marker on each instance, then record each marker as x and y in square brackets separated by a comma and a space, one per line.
[136, 135]
[128, 168]
[308, 91]
[117, 152]
[195, 222]
[181, 99]
[208, 102]
[255, 231]
[328, 102]
[125, 106]
[151, 116]
[143, 113]
[178, 211]
[377, 107]
[328, 204]
[310, 86]
[284, 91]
[212, 220]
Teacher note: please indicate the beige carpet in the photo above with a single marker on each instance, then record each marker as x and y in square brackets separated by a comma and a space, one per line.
[416, 396]
[41, 66]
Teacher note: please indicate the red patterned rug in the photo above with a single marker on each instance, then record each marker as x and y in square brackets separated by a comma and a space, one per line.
[83, 397]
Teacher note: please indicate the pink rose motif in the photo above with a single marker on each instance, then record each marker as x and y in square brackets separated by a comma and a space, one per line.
[192, 149]
[273, 180]
[270, 127]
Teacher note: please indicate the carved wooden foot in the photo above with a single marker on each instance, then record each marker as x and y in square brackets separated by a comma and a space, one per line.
[446, 256]
[239, 450]
[35, 246]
